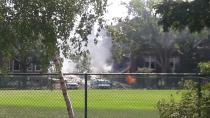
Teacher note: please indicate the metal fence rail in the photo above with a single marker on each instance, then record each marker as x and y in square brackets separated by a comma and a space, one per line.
[101, 95]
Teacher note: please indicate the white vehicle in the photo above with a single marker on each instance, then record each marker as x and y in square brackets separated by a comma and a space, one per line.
[72, 85]
[101, 84]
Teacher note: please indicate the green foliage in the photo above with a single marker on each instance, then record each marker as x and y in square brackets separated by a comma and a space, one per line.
[120, 43]
[47, 27]
[141, 36]
[189, 105]
[204, 68]
[4, 62]
[188, 48]
[132, 35]
[179, 14]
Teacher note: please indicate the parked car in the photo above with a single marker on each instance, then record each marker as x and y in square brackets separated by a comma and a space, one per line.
[72, 85]
[101, 84]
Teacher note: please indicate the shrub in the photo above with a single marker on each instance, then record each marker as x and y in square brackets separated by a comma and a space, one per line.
[204, 68]
[189, 105]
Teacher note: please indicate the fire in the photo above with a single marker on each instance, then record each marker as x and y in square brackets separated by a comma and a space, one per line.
[130, 79]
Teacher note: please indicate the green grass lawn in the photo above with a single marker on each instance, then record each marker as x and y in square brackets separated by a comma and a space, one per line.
[101, 103]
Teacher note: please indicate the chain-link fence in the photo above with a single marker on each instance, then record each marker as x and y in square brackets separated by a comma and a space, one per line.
[93, 95]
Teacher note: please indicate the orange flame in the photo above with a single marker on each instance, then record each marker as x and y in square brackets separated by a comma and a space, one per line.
[130, 79]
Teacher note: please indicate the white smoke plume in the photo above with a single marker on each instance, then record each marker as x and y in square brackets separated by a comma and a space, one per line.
[100, 54]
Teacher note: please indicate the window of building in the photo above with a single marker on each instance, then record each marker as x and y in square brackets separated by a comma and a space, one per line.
[30, 66]
[146, 64]
[16, 66]
[37, 67]
[149, 62]
[153, 65]
[9, 66]
[173, 62]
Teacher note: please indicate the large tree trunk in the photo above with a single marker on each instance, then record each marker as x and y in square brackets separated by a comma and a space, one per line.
[64, 89]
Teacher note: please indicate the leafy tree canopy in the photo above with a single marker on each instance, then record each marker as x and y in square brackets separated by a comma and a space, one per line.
[179, 14]
[142, 36]
[52, 25]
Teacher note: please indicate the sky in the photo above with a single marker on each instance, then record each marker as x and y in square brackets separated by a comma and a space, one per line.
[102, 51]
[115, 9]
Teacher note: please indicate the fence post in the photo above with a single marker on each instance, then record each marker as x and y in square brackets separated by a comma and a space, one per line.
[86, 96]
[199, 96]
